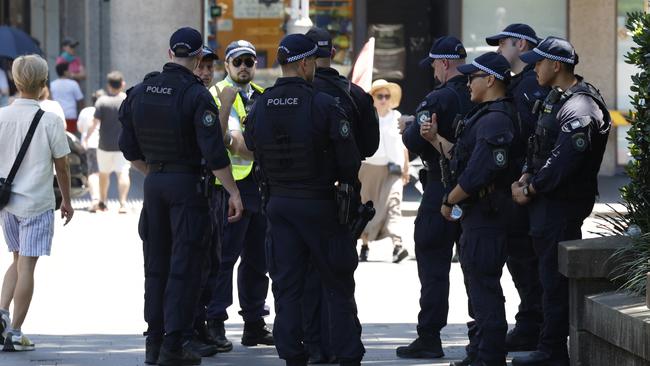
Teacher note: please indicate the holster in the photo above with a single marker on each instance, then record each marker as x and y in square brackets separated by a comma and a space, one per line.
[365, 213]
[263, 186]
[344, 196]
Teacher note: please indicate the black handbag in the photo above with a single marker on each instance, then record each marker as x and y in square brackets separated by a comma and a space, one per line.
[5, 183]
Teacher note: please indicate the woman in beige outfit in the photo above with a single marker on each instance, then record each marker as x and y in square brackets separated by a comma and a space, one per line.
[384, 174]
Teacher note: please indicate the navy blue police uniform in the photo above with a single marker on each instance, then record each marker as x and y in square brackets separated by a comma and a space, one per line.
[170, 121]
[360, 111]
[526, 92]
[304, 144]
[434, 236]
[243, 239]
[568, 147]
[481, 166]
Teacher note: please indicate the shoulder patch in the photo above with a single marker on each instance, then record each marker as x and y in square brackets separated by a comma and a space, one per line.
[576, 123]
[500, 157]
[579, 141]
[344, 128]
[209, 118]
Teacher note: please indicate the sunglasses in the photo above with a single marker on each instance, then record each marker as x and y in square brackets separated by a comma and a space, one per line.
[249, 62]
[474, 76]
[382, 96]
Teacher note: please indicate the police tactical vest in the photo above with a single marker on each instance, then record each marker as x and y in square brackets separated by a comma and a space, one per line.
[164, 133]
[466, 140]
[241, 168]
[548, 126]
[285, 146]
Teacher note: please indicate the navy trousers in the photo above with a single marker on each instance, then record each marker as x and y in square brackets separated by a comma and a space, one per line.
[246, 239]
[521, 258]
[482, 255]
[175, 230]
[553, 221]
[305, 231]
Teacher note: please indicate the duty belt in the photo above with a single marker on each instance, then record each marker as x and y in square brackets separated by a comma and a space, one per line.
[173, 168]
[321, 194]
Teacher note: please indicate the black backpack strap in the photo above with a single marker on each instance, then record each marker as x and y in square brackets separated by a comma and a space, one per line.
[24, 146]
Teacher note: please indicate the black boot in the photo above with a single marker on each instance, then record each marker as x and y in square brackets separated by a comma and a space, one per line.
[422, 347]
[217, 332]
[181, 357]
[518, 340]
[539, 358]
[152, 350]
[399, 253]
[202, 334]
[201, 349]
[256, 333]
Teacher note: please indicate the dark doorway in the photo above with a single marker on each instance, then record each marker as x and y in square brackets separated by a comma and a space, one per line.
[16, 13]
[404, 31]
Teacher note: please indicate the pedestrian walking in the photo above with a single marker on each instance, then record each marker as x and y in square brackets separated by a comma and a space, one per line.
[66, 91]
[27, 219]
[384, 174]
[90, 141]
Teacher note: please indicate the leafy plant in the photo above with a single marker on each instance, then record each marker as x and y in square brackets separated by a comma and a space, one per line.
[635, 259]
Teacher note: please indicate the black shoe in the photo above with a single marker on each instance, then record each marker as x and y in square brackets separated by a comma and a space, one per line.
[202, 334]
[217, 332]
[363, 253]
[152, 351]
[539, 358]
[518, 340]
[467, 361]
[422, 347]
[317, 356]
[15, 343]
[399, 253]
[202, 349]
[256, 333]
[182, 357]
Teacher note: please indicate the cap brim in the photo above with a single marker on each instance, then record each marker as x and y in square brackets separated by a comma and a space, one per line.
[425, 62]
[467, 69]
[240, 53]
[207, 56]
[531, 57]
[494, 40]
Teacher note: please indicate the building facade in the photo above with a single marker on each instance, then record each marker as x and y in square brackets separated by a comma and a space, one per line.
[131, 36]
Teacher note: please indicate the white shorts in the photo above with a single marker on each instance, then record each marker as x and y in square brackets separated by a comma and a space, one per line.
[29, 236]
[112, 161]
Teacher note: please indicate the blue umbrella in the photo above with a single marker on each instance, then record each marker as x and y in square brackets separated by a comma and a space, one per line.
[14, 42]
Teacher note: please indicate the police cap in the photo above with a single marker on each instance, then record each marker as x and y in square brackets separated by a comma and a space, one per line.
[238, 48]
[517, 30]
[295, 47]
[208, 54]
[552, 48]
[490, 63]
[186, 42]
[447, 47]
[322, 38]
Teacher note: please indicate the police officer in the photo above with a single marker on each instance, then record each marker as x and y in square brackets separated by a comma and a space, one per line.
[360, 111]
[514, 40]
[200, 340]
[245, 238]
[357, 104]
[170, 125]
[560, 184]
[304, 144]
[481, 168]
[434, 236]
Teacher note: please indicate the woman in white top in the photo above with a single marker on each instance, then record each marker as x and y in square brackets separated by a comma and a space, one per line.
[384, 174]
[28, 218]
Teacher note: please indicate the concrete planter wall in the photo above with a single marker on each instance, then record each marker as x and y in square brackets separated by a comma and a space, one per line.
[607, 327]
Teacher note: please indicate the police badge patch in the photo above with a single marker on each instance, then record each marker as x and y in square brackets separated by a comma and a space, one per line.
[579, 141]
[500, 157]
[344, 128]
[209, 118]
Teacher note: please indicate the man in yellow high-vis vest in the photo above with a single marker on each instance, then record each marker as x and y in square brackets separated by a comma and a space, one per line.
[234, 95]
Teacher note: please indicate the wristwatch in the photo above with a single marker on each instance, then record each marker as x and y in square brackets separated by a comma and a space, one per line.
[445, 201]
[227, 139]
[526, 191]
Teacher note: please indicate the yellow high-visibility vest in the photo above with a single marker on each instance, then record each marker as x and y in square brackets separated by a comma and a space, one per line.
[241, 167]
